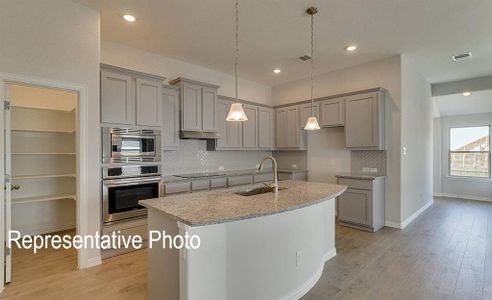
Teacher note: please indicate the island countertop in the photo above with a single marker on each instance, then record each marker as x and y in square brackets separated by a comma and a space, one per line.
[220, 206]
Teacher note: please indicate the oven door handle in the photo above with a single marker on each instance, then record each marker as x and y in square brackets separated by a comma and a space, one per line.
[128, 182]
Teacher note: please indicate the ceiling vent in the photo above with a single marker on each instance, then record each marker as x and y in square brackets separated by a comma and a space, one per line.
[461, 56]
[305, 57]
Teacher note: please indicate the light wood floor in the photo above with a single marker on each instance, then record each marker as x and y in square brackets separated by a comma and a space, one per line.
[445, 254]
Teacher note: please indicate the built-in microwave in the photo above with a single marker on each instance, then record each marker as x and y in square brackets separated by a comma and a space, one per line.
[122, 145]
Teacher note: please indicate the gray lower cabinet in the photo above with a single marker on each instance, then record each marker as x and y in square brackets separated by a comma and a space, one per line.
[170, 118]
[130, 98]
[198, 105]
[364, 121]
[362, 204]
[266, 129]
[299, 176]
[177, 187]
[289, 135]
[240, 180]
[250, 127]
[126, 229]
[332, 112]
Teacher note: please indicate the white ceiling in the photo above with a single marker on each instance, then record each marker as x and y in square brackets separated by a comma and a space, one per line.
[457, 104]
[273, 33]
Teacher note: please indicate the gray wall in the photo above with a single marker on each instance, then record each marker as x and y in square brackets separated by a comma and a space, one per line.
[416, 137]
[193, 156]
[327, 154]
[436, 169]
[461, 187]
[58, 41]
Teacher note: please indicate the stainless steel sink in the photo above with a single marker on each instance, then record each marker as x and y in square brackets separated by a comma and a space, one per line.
[257, 191]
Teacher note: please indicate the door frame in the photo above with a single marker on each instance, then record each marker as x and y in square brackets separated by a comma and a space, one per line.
[82, 203]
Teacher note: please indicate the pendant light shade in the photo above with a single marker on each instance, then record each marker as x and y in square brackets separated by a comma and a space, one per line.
[312, 124]
[236, 113]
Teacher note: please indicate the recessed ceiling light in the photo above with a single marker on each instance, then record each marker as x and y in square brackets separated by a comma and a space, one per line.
[351, 48]
[277, 70]
[466, 94]
[129, 18]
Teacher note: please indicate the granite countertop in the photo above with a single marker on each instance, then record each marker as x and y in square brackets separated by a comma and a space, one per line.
[173, 178]
[368, 176]
[220, 206]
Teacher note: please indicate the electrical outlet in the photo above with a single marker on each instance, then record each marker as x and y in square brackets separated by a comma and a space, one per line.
[332, 162]
[298, 258]
[374, 170]
[404, 150]
[221, 168]
[366, 170]
[294, 166]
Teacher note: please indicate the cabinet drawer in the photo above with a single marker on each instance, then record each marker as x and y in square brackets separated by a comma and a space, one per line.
[217, 183]
[300, 176]
[240, 180]
[356, 183]
[199, 185]
[263, 178]
[126, 232]
[284, 176]
[177, 187]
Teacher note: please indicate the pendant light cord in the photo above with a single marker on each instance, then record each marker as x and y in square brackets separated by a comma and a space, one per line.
[236, 61]
[312, 64]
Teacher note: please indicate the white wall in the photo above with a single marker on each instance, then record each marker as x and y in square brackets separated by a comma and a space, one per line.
[416, 137]
[329, 144]
[462, 187]
[58, 41]
[436, 169]
[144, 61]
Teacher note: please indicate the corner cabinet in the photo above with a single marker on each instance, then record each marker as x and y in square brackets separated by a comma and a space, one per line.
[130, 97]
[289, 134]
[365, 121]
[307, 112]
[266, 129]
[332, 112]
[198, 105]
[250, 127]
[230, 132]
[170, 118]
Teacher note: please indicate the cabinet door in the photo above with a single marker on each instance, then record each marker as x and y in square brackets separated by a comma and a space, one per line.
[209, 97]
[149, 94]
[306, 113]
[355, 206]
[235, 131]
[293, 131]
[281, 130]
[222, 124]
[332, 113]
[250, 127]
[361, 129]
[191, 107]
[265, 128]
[170, 119]
[117, 98]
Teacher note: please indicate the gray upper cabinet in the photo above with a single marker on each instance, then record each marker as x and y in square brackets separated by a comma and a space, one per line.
[130, 97]
[332, 112]
[117, 98]
[307, 112]
[265, 128]
[230, 132]
[149, 95]
[170, 118]
[198, 105]
[250, 127]
[288, 132]
[364, 121]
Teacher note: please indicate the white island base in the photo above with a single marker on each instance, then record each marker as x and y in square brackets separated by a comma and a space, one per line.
[278, 256]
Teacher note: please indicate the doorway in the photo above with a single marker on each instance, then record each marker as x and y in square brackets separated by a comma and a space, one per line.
[41, 161]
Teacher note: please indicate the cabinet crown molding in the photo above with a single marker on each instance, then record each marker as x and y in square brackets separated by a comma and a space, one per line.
[187, 80]
[131, 72]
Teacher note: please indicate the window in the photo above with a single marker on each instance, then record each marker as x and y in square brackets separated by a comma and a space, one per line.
[469, 152]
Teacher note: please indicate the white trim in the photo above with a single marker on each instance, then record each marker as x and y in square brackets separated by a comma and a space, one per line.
[410, 219]
[2, 187]
[93, 261]
[82, 151]
[311, 282]
[465, 197]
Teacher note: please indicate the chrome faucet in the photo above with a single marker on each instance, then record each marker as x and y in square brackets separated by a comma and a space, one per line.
[275, 178]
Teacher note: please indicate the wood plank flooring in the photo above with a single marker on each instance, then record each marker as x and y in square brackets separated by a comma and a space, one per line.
[445, 254]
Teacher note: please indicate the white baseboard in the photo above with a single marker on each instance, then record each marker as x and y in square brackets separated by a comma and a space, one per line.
[465, 197]
[329, 255]
[43, 229]
[93, 261]
[410, 219]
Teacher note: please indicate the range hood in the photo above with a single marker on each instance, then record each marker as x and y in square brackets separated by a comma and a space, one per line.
[198, 135]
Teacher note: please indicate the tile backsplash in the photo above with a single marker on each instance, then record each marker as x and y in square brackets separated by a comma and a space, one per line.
[362, 161]
[192, 156]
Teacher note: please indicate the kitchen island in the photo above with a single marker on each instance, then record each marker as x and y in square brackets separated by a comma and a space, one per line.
[265, 246]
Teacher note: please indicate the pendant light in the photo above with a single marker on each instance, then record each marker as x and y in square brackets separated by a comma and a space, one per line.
[236, 113]
[312, 123]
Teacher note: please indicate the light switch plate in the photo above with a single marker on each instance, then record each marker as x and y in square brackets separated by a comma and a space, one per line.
[294, 166]
[374, 170]
[221, 168]
[366, 170]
